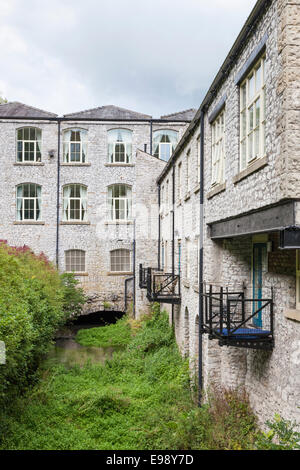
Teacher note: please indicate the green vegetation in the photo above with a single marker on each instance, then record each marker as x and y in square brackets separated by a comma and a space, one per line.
[140, 399]
[33, 304]
[112, 335]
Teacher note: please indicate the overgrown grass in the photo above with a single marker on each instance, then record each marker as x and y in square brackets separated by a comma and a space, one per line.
[141, 399]
[118, 334]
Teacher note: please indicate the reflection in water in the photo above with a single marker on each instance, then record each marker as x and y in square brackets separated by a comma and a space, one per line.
[67, 351]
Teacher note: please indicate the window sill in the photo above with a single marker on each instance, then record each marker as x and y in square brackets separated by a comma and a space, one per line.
[119, 164]
[29, 222]
[219, 188]
[77, 273]
[75, 164]
[187, 196]
[252, 168]
[29, 164]
[119, 222]
[292, 314]
[75, 223]
[120, 273]
[197, 188]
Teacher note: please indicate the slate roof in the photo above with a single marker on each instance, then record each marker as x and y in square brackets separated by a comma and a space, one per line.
[187, 115]
[108, 112]
[16, 109]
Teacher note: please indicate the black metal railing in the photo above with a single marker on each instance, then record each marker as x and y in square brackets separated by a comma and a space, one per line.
[161, 287]
[235, 320]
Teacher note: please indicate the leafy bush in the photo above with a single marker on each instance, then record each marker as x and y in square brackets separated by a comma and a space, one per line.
[281, 436]
[34, 302]
[74, 297]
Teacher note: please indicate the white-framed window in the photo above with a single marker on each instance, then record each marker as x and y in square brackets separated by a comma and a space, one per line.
[121, 261]
[119, 146]
[120, 202]
[164, 142]
[198, 158]
[29, 202]
[167, 195]
[187, 259]
[253, 115]
[180, 181]
[75, 261]
[29, 140]
[75, 146]
[188, 171]
[298, 280]
[74, 203]
[218, 149]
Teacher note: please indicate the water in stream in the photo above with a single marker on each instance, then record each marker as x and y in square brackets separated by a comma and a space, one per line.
[70, 353]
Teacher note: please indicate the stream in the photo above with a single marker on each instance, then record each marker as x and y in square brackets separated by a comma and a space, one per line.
[70, 353]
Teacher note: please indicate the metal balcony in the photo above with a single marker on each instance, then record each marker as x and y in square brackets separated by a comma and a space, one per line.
[161, 287]
[236, 321]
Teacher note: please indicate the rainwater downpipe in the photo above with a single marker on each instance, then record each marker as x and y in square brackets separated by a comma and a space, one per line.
[173, 232]
[201, 246]
[58, 190]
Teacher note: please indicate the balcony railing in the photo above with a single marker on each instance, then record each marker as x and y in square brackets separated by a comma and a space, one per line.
[161, 287]
[236, 321]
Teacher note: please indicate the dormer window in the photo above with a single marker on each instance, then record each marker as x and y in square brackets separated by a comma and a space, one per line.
[165, 142]
[119, 146]
[75, 146]
[29, 144]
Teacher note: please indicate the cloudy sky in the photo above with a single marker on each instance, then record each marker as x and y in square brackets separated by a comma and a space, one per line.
[152, 56]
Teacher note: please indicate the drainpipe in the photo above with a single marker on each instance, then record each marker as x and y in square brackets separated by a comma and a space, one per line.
[159, 227]
[201, 243]
[134, 268]
[173, 233]
[151, 135]
[58, 189]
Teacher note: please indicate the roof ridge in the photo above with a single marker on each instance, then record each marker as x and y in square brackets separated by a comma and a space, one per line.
[106, 106]
[31, 107]
[180, 112]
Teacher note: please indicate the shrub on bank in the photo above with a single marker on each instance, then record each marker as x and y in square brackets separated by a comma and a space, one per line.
[33, 304]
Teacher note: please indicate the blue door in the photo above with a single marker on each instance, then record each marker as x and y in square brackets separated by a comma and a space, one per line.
[259, 263]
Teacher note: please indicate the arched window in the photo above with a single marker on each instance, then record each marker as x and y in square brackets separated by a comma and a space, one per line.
[75, 203]
[119, 202]
[120, 261]
[165, 142]
[29, 201]
[29, 144]
[75, 261]
[119, 146]
[75, 146]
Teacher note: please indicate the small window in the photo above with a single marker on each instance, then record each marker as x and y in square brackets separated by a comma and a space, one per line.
[198, 159]
[75, 203]
[75, 146]
[119, 202]
[179, 181]
[29, 144]
[253, 115]
[165, 142]
[29, 202]
[75, 261]
[119, 146]
[298, 280]
[120, 261]
[188, 171]
[218, 149]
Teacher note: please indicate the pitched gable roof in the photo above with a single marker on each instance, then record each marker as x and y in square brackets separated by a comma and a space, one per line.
[186, 115]
[16, 109]
[108, 112]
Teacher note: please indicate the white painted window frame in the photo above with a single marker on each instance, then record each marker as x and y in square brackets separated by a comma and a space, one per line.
[80, 199]
[120, 252]
[29, 198]
[28, 141]
[247, 137]
[218, 149]
[74, 252]
[73, 142]
[188, 171]
[198, 159]
[126, 161]
[112, 210]
[179, 169]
